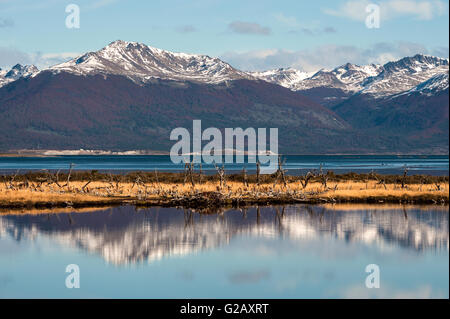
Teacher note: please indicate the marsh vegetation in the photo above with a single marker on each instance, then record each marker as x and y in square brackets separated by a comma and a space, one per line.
[195, 189]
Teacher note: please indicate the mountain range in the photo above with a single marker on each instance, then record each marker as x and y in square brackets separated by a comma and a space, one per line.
[130, 96]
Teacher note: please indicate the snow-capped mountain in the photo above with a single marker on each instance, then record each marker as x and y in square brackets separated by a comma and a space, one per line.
[347, 77]
[287, 77]
[142, 63]
[376, 80]
[404, 74]
[18, 71]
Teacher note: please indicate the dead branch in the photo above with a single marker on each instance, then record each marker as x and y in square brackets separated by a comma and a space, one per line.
[404, 176]
[305, 180]
[221, 173]
[280, 172]
[258, 172]
[244, 177]
[379, 181]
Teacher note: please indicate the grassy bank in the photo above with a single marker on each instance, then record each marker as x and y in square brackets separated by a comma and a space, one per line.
[92, 189]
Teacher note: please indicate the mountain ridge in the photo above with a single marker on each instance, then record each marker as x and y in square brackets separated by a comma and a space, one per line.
[142, 63]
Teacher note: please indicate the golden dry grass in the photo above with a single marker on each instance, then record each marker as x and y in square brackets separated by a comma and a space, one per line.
[372, 189]
[99, 193]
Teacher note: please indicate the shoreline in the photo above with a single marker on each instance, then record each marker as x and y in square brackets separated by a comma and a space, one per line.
[57, 153]
[203, 201]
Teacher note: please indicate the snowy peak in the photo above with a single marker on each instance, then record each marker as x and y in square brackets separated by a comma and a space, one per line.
[353, 75]
[416, 64]
[377, 80]
[18, 71]
[287, 77]
[404, 74]
[141, 63]
[347, 77]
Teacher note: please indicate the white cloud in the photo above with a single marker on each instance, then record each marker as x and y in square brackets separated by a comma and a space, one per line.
[243, 27]
[11, 56]
[49, 59]
[355, 10]
[389, 9]
[326, 56]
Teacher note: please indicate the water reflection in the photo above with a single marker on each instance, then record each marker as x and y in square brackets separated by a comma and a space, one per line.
[124, 235]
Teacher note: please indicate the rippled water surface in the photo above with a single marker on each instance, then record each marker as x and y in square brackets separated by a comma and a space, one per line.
[270, 252]
[296, 164]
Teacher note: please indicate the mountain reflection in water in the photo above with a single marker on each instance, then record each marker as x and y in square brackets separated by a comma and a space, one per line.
[124, 235]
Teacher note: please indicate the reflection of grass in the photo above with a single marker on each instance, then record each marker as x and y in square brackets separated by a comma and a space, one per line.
[382, 206]
[36, 211]
[101, 193]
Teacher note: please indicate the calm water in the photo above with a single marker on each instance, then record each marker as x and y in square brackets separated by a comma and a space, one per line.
[298, 252]
[433, 165]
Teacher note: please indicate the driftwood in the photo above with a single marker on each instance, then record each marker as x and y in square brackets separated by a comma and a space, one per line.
[258, 173]
[69, 175]
[11, 185]
[52, 178]
[305, 180]
[323, 177]
[280, 172]
[189, 172]
[379, 181]
[405, 172]
[221, 173]
[244, 177]
[83, 188]
[200, 177]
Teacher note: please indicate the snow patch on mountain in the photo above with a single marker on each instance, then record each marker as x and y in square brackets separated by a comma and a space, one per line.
[287, 77]
[430, 87]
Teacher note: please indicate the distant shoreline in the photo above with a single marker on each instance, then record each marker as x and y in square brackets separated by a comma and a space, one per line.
[81, 152]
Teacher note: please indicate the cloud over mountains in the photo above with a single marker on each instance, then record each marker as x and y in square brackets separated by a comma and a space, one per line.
[326, 56]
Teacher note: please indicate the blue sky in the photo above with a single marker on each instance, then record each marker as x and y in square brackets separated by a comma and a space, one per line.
[251, 35]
